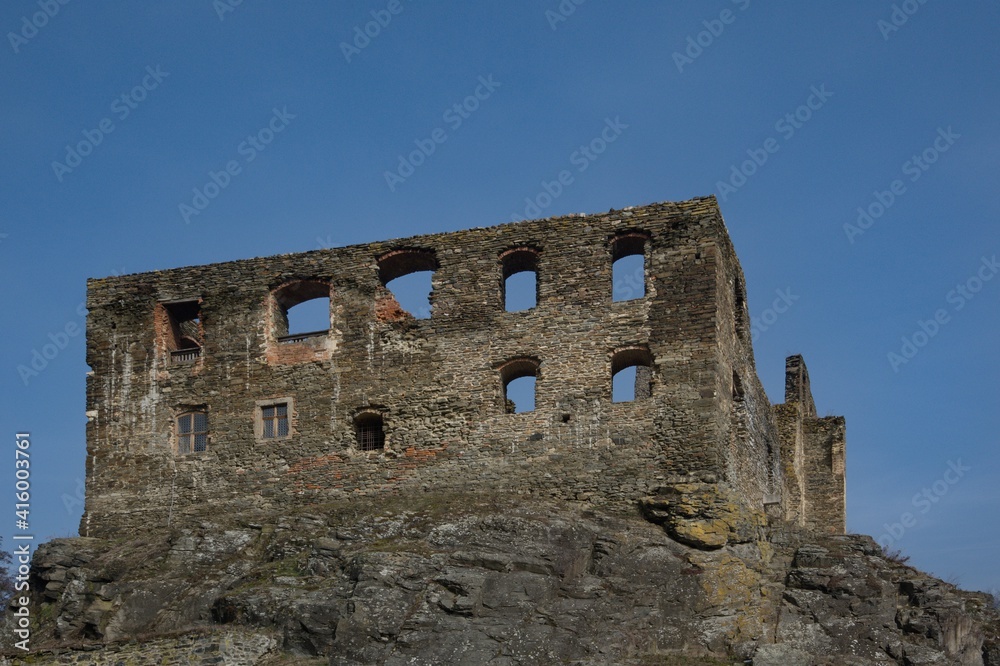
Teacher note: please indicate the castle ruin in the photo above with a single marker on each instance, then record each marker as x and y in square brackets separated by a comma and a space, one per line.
[199, 401]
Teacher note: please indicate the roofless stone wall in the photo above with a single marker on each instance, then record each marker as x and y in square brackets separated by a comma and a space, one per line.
[199, 402]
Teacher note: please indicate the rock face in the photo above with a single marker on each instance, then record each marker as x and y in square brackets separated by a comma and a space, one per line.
[474, 579]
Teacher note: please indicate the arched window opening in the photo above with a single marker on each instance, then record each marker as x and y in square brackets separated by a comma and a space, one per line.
[631, 374]
[519, 378]
[408, 274]
[192, 431]
[520, 395]
[628, 268]
[738, 393]
[623, 385]
[180, 327]
[369, 431]
[413, 293]
[312, 316]
[519, 282]
[302, 310]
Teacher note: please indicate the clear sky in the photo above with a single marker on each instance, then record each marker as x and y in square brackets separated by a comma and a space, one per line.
[796, 115]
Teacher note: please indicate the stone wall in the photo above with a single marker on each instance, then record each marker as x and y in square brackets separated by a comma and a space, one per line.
[436, 383]
[825, 474]
[813, 456]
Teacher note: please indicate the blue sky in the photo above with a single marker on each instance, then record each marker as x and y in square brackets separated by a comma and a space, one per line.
[795, 115]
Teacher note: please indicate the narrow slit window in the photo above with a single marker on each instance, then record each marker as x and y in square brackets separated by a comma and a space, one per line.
[738, 392]
[740, 307]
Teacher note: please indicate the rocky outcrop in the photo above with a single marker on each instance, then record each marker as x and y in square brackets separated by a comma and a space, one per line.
[702, 515]
[486, 580]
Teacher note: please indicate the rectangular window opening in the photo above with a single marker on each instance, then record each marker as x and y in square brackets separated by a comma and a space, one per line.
[192, 432]
[274, 421]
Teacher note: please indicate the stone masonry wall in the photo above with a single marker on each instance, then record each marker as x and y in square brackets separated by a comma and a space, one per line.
[825, 474]
[436, 382]
[813, 454]
[744, 415]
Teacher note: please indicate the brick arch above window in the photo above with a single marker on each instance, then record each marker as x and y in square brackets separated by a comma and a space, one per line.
[640, 358]
[304, 340]
[514, 369]
[515, 293]
[406, 277]
[298, 291]
[628, 242]
[629, 264]
[403, 261]
[520, 366]
[630, 355]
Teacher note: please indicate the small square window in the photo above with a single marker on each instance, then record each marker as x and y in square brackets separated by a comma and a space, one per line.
[370, 432]
[273, 419]
[192, 432]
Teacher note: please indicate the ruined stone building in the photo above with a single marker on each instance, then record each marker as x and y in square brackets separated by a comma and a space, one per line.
[258, 492]
[201, 401]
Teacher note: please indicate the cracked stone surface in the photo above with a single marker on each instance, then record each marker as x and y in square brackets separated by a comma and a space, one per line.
[482, 580]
